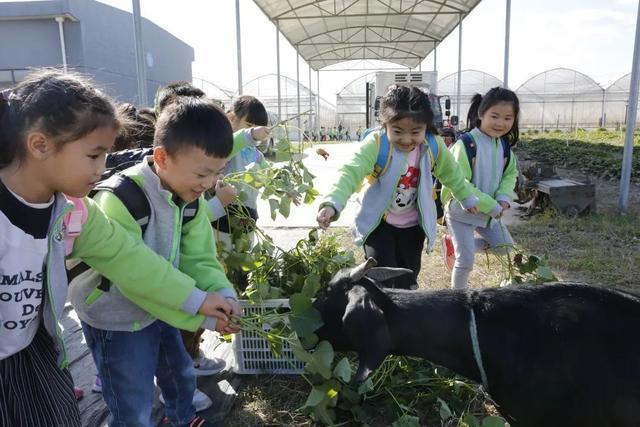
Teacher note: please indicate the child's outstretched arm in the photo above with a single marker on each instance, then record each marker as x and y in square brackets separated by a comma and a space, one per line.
[350, 177]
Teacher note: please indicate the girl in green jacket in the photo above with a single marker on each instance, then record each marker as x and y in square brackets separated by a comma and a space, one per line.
[485, 157]
[398, 211]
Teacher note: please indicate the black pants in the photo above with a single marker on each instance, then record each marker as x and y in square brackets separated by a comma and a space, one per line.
[34, 391]
[397, 247]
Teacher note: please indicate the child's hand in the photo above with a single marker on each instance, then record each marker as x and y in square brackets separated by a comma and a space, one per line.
[504, 205]
[226, 193]
[324, 216]
[236, 311]
[260, 133]
[474, 210]
[215, 305]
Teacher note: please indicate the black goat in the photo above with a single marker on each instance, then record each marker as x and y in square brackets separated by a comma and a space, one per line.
[554, 355]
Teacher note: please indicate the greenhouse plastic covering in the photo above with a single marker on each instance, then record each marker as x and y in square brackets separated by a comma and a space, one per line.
[327, 32]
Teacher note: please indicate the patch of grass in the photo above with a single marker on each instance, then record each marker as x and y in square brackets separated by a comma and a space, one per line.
[600, 249]
[270, 400]
[597, 157]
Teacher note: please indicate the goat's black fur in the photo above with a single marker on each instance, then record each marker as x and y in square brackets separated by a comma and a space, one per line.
[555, 355]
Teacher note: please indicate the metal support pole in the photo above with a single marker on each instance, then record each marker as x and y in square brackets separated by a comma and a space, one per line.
[238, 47]
[63, 49]
[318, 102]
[435, 58]
[632, 112]
[298, 97]
[141, 68]
[309, 122]
[603, 119]
[278, 67]
[459, 67]
[507, 30]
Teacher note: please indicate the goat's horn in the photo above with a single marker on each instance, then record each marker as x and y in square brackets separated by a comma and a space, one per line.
[358, 272]
[382, 274]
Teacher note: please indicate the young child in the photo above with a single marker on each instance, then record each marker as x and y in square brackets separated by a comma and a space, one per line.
[398, 210]
[202, 365]
[129, 344]
[248, 119]
[55, 130]
[493, 172]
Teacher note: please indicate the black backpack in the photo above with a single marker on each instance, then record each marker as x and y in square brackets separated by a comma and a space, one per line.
[131, 196]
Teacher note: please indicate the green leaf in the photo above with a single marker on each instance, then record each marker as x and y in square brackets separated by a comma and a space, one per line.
[247, 178]
[285, 206]
[343, 370]
[406, 420]
[306, 322]
[242, 196]
[320, 360]
[445, 411]
[275, 344]
[493, 422]
[316, 396]
[273, 205]
[309, 196]
[546, 273]
[311, 285]
[307, 176]
[300, 303]
[365, 386]
[309, 341]
[470, 420]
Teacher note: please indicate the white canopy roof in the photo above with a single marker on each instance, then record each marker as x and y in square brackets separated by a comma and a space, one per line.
[327, 32]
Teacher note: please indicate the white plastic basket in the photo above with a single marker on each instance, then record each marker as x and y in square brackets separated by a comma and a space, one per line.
[251, 352]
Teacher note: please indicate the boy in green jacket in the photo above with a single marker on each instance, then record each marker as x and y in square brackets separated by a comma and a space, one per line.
[129, 344]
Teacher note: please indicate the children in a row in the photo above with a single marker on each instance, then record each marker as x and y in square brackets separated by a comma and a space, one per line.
[55, 130]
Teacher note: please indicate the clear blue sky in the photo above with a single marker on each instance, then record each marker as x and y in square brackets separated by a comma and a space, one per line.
[591, 36]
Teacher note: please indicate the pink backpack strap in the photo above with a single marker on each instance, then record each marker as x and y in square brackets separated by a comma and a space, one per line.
[73, 222]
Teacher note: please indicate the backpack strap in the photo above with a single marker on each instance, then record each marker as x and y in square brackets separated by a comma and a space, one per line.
[131, 196]
[469, 147]
[506, 151]
[433, 147]
[73, 222]
[384, 155]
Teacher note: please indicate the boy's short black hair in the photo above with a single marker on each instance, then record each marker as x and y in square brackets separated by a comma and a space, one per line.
[168, 93]
[192, 122]
[250, 109]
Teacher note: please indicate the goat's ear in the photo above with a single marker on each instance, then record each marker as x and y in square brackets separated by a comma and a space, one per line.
[359, 271]
[366, 328]
[382, 274]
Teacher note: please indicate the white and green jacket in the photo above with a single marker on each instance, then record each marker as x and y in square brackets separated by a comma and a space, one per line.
[189, 247]
[492, 181]
[379, 195]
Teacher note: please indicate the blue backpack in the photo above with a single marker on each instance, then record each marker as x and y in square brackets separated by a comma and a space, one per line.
[384, 160]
